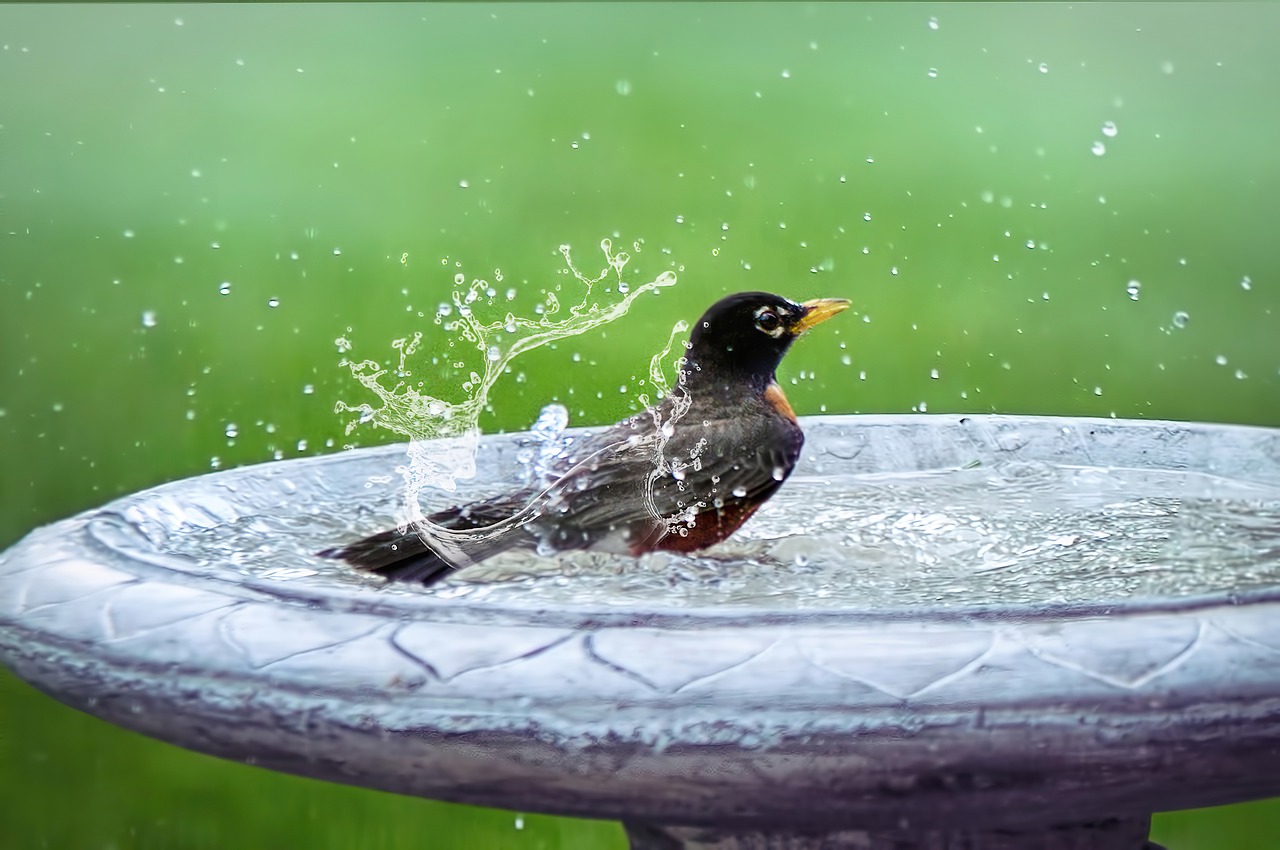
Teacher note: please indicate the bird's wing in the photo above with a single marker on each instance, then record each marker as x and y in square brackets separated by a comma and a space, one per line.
[483, 514]
[625, 482]
[750, 469]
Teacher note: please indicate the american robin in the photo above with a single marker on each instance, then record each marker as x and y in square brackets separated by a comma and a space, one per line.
[680, 476]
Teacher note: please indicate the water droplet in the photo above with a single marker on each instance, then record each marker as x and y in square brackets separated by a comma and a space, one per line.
[308, 389]
[932, 73]
[1044, 67]
[148, 318]
[224, 288]
[1109, 129]
[739, 492]
[463, 184]
[1098, 149]
[779, 473]
[933, 23]
[1166, 67]
[273, 302]
[128, 234]
[988, 196]
[933, 373]
[622, 87]
[1134, 289]
[1221, 360]
[1180, 319]
[786, 75]
[1245, 283]
[232, 431]
[1240, 375]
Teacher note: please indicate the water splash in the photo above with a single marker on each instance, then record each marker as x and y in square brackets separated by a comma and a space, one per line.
[443, 435]
[663, 465]
[545, 445]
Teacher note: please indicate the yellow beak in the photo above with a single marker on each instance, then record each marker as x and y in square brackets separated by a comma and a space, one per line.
[817, 311]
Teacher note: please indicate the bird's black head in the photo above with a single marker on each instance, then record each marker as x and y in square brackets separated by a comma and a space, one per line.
[745, 335]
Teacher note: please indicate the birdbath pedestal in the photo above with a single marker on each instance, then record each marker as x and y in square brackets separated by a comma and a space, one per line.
[1022, 695]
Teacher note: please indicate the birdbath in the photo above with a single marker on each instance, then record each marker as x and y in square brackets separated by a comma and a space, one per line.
[944, 631]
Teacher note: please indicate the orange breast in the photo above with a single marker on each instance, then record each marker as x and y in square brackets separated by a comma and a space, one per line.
[773, 394]
[710, 528]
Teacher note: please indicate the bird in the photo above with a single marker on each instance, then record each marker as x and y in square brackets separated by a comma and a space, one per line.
[680, 476]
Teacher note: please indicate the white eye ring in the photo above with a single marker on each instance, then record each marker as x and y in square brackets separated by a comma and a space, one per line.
[768, 321]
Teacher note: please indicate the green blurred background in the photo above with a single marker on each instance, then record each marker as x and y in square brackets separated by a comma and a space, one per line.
[986, 182]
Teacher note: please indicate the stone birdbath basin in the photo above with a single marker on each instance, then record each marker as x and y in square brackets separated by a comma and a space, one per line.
[945, 631]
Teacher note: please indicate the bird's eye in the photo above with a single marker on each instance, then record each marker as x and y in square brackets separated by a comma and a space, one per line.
[768, 321]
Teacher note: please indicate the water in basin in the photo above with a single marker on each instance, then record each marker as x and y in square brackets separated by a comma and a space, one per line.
[1013, 533]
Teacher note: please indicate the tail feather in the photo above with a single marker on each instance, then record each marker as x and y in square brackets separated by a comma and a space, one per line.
[405, 555]
[395, 555]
